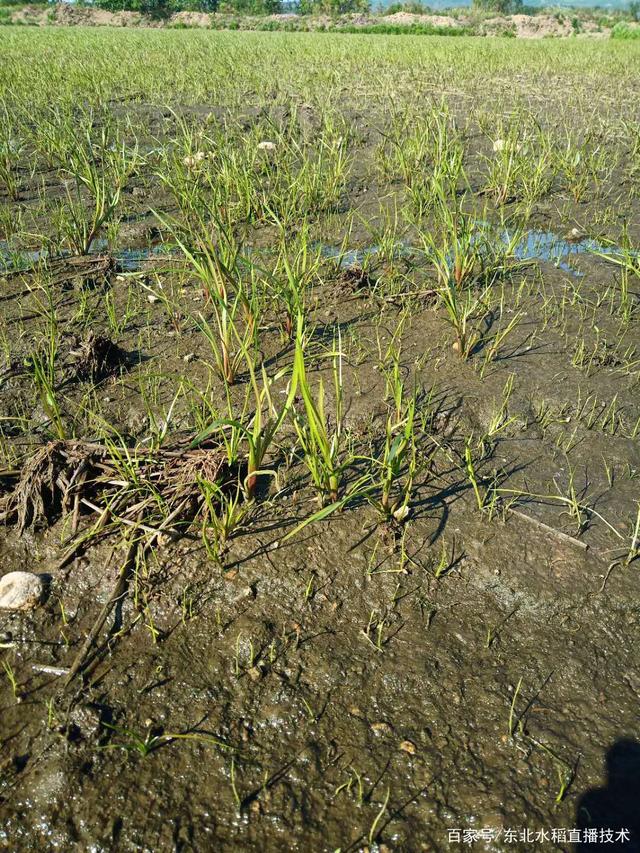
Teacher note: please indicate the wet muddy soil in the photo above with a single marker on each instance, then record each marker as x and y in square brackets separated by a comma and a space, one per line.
[362, 685]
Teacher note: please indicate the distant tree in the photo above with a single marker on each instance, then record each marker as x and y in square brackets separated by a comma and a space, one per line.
[502, 7]
[153, 8]
[332, 7]
[251, 7]
[157, 8]
[197, 5]
[634, 10]
[415, 7]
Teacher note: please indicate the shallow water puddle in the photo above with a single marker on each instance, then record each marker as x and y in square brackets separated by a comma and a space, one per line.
[544, 246]
[548, 246]
[126, 260]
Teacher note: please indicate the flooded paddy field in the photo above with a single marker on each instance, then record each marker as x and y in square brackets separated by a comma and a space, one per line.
[319, 443]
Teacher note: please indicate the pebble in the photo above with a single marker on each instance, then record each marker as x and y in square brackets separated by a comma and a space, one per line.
[86, 721]
[21, 591]
[381, 728]
[246, 592]
[255, 673]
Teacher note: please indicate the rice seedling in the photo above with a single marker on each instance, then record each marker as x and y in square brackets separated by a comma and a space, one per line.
[320, 438]
[99, 168]
[223, 511]
[583, 165]
[302, 180]
[454, 253]
[471, 472]
[398, 459]
[427, 152]
[446, 560]
[148, 742]
[634, 547]
[402, 151]
[390, 366]
[519, 167]
[355, 782]
[373, 830]
[296, 267]
[213, 253]
[42, 363]
[11, 678]
[493, 346]
[11, 154]
[627, 259]
[258, 430]
[461, 309]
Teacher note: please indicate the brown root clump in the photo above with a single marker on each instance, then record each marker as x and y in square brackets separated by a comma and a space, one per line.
[97, 357]
[45, 484]
[67, 476]
[176, 474]
[355, 279]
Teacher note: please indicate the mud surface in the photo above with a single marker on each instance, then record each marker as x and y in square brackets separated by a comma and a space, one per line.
[363, 685]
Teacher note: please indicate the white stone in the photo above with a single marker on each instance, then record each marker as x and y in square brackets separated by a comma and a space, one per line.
[21, 591]
[266, 146]
[402, 513]
[499, 145]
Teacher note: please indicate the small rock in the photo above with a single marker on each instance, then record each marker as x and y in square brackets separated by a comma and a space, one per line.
[255, 673]
[381, 728]
[246, 592]
[188, 357]
[266, 146]
[21, 591]
[402, 513]
[499, 145]
[85, 721]
[408, 747]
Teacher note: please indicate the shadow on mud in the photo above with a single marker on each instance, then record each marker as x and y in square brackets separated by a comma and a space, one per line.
[613, 811]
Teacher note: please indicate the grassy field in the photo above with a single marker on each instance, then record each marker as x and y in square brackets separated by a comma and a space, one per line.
[320, 417]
